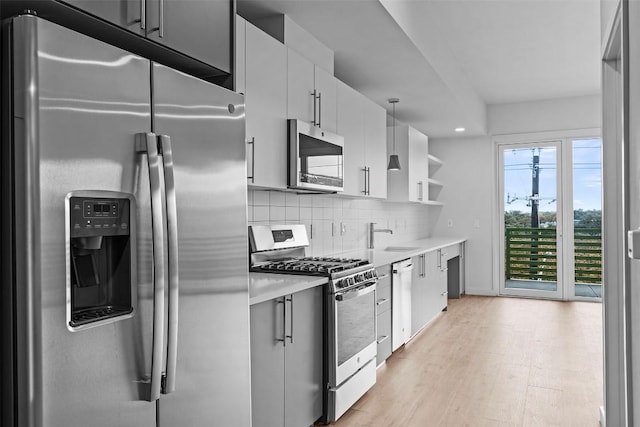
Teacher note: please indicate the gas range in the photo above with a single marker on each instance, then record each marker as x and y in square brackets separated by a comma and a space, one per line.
[281, 249]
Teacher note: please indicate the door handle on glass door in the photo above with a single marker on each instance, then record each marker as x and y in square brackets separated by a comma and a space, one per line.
[174, 277]
[147, 143]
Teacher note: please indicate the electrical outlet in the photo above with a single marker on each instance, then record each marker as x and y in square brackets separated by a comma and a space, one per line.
[449, 223]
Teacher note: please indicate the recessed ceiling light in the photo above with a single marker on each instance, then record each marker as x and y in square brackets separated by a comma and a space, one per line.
[459, 129]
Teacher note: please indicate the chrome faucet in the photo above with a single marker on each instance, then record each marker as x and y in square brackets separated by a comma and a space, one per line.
[376, 230]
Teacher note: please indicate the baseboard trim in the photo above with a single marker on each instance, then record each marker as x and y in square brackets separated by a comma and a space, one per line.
[481, 292]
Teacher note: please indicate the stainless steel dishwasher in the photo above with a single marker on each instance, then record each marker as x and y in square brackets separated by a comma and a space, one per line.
[401, 302]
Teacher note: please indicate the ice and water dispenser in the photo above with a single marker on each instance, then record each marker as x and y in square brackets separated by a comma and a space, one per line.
[100, 243]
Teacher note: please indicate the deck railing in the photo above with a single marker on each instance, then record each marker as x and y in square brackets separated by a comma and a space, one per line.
[531, 254]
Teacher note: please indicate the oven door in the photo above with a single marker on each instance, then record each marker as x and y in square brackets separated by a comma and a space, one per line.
[316, 159]
[354, 331]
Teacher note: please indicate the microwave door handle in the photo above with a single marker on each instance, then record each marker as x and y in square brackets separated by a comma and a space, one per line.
[147, 144]
[174, 278]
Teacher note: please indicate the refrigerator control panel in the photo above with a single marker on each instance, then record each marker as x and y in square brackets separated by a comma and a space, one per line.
[92, 216]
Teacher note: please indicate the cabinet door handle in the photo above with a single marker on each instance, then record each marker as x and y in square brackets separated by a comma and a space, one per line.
[160, 27]
[143, 15]
[368, 181]
[364, 169]
[161, 11]
[319, 109]
[314, 96]
[253, 160]
[284, 322]
[290, 299]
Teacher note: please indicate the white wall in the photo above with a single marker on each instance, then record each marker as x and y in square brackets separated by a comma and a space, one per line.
[470, 179]
[581, 112]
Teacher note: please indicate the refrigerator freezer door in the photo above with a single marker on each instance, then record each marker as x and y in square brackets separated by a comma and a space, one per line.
[206, 126]
[85, 101]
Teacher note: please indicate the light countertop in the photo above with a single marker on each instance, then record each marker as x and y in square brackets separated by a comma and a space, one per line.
[380, 257]
[266, 286]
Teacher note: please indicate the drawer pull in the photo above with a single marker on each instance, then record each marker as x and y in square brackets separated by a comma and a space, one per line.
[383, 339]
[382, 301]
[384, 276]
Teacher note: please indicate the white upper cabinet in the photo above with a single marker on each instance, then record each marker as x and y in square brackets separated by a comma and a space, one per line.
[199, 29]
[375, 148]
[362, 124]
[311, 92]
[266, 109]
[411, 182]
[351, 127]
[326, 87]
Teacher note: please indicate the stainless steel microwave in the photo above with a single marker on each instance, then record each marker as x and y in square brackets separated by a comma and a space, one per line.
[316, 158]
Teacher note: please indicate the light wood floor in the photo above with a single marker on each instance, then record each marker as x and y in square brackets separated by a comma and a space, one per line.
[493, 362]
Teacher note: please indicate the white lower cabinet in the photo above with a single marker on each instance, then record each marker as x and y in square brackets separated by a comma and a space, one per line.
[286, 360]
[428, 289]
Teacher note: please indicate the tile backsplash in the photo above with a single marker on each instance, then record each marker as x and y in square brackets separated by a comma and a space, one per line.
[337, 224]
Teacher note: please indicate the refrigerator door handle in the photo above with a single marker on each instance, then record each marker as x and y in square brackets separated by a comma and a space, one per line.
[148, 143]
[173, 290]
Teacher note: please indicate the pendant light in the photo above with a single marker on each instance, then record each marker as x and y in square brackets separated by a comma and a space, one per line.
[394, 162]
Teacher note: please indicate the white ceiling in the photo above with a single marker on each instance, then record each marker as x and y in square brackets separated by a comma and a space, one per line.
[448, 59]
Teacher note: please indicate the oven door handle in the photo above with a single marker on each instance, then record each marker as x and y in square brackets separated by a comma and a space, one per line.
[357, 292]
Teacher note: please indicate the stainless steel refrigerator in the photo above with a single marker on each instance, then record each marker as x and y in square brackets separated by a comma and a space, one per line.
[124, 250]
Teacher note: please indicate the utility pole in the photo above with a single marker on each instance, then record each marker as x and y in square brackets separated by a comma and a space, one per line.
[535, 196]
[535, 221]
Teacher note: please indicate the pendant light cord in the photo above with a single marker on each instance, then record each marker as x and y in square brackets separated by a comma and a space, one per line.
[394, 128]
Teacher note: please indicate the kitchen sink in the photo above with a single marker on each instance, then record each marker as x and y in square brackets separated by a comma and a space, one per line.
[401, 248]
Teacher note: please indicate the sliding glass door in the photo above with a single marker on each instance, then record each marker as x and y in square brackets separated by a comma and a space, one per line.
[550, 219]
